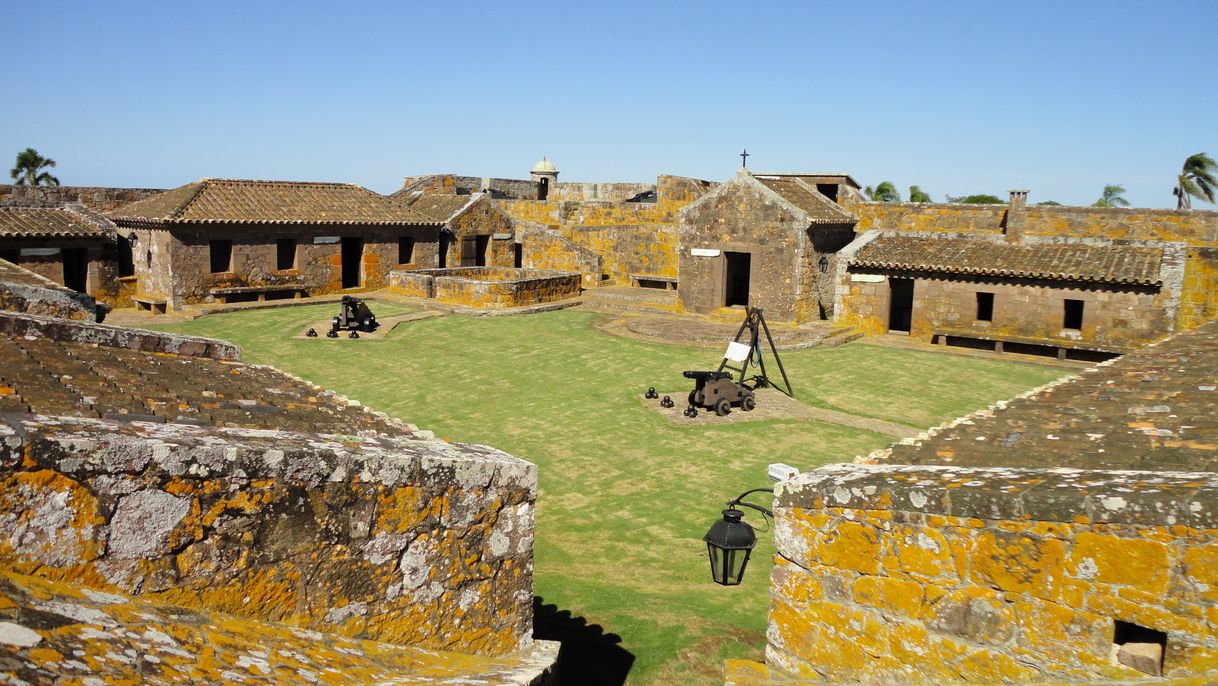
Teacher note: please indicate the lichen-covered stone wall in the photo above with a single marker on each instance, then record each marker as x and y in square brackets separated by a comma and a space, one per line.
[546, 249]
[487, 287]
[181, 267]
[27, 292]
[405, 539]
[991, 575]
[97, 199]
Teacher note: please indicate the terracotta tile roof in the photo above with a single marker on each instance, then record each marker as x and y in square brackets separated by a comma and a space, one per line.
[1153, 410]
[268, 202]
[1057, 261]
[440, 208]
[47, 222]
[820, 210]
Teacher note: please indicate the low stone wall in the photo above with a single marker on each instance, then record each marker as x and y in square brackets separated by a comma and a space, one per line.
[405, 539]
[95, 198]
[939, 574]
[75, 331]
[25, 291]
[490, 287]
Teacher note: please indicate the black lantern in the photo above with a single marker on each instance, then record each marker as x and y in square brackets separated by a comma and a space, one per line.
[729, 543]
[731, 539]
[824, 264]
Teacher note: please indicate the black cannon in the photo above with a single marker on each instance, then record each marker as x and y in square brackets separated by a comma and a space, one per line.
[355, 316]
[716, 391]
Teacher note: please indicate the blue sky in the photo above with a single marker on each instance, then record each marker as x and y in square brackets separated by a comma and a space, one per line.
[959, 98]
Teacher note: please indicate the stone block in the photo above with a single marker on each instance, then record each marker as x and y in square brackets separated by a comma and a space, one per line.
[1144, 657]
[1109, 559]
[1018, 563]
[979, 615]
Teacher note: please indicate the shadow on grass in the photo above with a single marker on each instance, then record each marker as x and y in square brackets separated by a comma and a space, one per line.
[589, 656]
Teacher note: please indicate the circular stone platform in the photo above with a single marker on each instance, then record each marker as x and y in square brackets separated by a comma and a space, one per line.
[705, 333]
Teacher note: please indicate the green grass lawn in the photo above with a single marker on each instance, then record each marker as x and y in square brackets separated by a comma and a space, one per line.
[625, 497]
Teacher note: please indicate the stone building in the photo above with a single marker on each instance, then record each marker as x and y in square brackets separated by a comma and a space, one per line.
[169, 514]
[225, 240]
[1046, 296]
[68, 244]
[474, 232]
[1069, 534]
[765, 240]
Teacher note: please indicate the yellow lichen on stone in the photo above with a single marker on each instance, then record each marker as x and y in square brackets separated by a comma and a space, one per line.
[1108, 559]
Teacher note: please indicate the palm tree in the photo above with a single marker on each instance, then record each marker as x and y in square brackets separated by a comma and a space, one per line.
[1112, 197]
[918, 195]
[884, 192]
[1197, 180]
[29, 162]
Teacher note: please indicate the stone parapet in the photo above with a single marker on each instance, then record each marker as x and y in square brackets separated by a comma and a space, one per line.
[943, 574]
[71, 331]
[404, 539]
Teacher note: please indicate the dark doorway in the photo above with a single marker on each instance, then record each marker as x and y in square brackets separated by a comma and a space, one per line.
[10, 254]
[446, 241]
[518, 255]
[543, 189]
[353, 251]
[126, 257]
[285, 254]
[900, 304]
[221, 253]
[482, 249]
[468, 247]
[76, 269]
[829, 190]
[405, 250]
[736, 284]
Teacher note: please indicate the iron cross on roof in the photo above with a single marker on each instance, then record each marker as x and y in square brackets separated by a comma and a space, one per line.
[744, 158]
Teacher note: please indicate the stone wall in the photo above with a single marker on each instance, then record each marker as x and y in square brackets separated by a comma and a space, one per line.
[937, 574]
[72, 330]
[27, 292]
[483, 218]
[545, 248]
[180, 266]
[405, 539]
[487, 287]
[97, 199]
[605, 192]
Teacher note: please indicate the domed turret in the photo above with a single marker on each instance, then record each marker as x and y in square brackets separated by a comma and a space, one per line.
[545, 175]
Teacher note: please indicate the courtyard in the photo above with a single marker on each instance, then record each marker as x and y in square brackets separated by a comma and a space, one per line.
[625, 494]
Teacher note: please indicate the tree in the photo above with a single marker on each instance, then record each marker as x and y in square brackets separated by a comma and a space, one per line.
[918, 195]
[1050, 203]
[27, 172]
[884, 192]
[1112, 197]
[1197, 180]
[976, 199]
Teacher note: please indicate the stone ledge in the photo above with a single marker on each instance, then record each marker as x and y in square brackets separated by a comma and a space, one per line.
[62, 330]
[1054, 495]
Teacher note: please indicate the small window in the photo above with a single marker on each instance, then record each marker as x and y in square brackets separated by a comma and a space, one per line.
[1139, 647]
[1073, 318]
[985, 307]
[148, 258]
[405, 250]
[221, 256]
[126, 257]
[285, 253]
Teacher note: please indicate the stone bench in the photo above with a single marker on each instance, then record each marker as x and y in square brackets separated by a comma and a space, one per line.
[150, 303]
[296, 289]
[652, 280]
[999, 340]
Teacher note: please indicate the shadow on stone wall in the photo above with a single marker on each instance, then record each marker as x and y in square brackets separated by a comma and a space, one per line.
[589, 656]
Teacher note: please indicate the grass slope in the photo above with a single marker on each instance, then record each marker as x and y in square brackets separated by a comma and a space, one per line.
[625, 497]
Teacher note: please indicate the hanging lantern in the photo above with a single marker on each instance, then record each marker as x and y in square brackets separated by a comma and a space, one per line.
[729, 543]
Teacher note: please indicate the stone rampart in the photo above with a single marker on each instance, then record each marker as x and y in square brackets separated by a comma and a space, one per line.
[95, 198]
[405, 539]
[25, 291]
[75, 331]
[992, 575]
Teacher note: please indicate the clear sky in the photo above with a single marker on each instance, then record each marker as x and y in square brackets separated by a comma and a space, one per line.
[957, 97]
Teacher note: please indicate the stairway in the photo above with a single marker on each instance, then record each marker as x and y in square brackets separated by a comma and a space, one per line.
[632, 299]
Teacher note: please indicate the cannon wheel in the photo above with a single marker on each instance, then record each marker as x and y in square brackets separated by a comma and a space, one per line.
[748, 403]
[693, 397]
[722, 407]
[366, 324]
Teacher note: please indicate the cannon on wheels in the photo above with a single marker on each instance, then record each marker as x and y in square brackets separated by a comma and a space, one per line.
[354, 316]
[716, 391]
